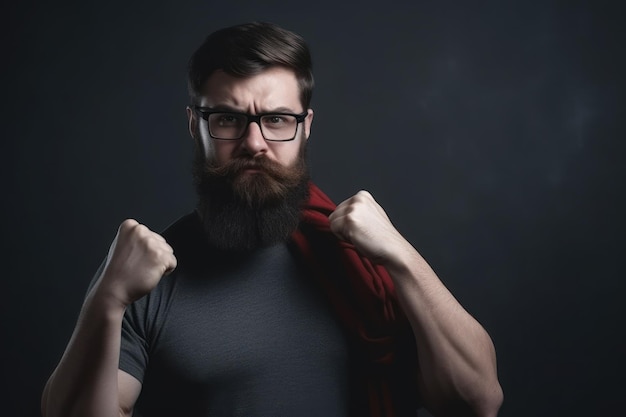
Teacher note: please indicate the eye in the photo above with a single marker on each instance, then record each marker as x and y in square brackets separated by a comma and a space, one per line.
[228, 119]
[274, 119]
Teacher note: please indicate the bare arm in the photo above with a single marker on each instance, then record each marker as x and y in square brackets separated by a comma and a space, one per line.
[456, 355]
[87, 381]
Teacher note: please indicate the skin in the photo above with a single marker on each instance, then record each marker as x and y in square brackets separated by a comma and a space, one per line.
[275, 90]
[457, 363]
[87, 381]
[457, 374]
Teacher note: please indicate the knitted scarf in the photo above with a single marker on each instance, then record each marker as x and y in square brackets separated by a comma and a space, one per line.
[363, 297]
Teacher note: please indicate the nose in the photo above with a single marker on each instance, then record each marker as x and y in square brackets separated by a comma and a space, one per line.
[252, 141]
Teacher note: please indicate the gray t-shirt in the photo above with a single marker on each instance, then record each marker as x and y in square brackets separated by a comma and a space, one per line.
[235, 335]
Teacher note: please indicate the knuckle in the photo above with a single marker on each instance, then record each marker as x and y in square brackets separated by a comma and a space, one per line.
[151, 247]
[173, 262]
[144, 234]
[142, 230]
[127, 225]
[350, 221]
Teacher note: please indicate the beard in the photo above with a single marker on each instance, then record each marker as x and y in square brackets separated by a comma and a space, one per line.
[242, 211]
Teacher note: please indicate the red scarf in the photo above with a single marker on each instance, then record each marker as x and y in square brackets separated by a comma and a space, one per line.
[362, 295]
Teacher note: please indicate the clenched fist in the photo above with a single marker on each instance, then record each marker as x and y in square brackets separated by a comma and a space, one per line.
[361, 221]
[137, 260]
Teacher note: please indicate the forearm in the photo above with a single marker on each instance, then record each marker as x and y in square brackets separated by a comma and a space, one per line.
[457, 365]
[456, 355]
[85, 381]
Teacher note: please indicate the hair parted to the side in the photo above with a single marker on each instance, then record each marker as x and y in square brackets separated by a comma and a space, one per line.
[248, 49]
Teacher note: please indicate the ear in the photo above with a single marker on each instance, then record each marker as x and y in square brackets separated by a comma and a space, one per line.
[308, 121]
[193, 122]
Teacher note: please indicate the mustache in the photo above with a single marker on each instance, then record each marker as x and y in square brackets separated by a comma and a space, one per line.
[233, 168]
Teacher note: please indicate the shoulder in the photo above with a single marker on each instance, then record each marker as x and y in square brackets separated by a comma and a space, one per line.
[187, 238]
[185, 231]
[183, 227]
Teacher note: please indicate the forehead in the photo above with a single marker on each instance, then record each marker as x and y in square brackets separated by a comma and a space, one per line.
[271, 89]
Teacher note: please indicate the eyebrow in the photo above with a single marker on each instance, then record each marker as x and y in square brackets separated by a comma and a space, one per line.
[227, 108]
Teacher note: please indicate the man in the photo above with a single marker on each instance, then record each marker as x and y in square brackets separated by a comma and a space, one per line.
[276, 302]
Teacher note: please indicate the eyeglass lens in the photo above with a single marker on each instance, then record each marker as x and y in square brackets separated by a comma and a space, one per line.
[234, 125]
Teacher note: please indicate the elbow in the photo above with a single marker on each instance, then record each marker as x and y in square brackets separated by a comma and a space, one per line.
[497, 400]
[489, 403]
[483, 403]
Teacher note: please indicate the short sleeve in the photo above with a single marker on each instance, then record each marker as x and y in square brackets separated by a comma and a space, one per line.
[134, 346]
[133, 349]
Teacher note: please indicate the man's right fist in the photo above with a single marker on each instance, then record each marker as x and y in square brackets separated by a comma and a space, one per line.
[137, 260]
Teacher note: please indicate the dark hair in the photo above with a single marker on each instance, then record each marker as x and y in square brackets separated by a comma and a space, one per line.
[248, 49]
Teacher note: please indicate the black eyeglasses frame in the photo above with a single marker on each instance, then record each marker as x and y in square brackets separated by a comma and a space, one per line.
[205, 112]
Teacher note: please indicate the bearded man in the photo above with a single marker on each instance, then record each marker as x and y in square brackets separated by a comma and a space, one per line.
[268, 300]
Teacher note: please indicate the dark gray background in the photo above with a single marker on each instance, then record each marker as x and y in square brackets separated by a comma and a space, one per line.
[490, 131]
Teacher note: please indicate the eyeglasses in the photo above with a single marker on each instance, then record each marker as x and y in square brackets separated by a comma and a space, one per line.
[226, 125]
